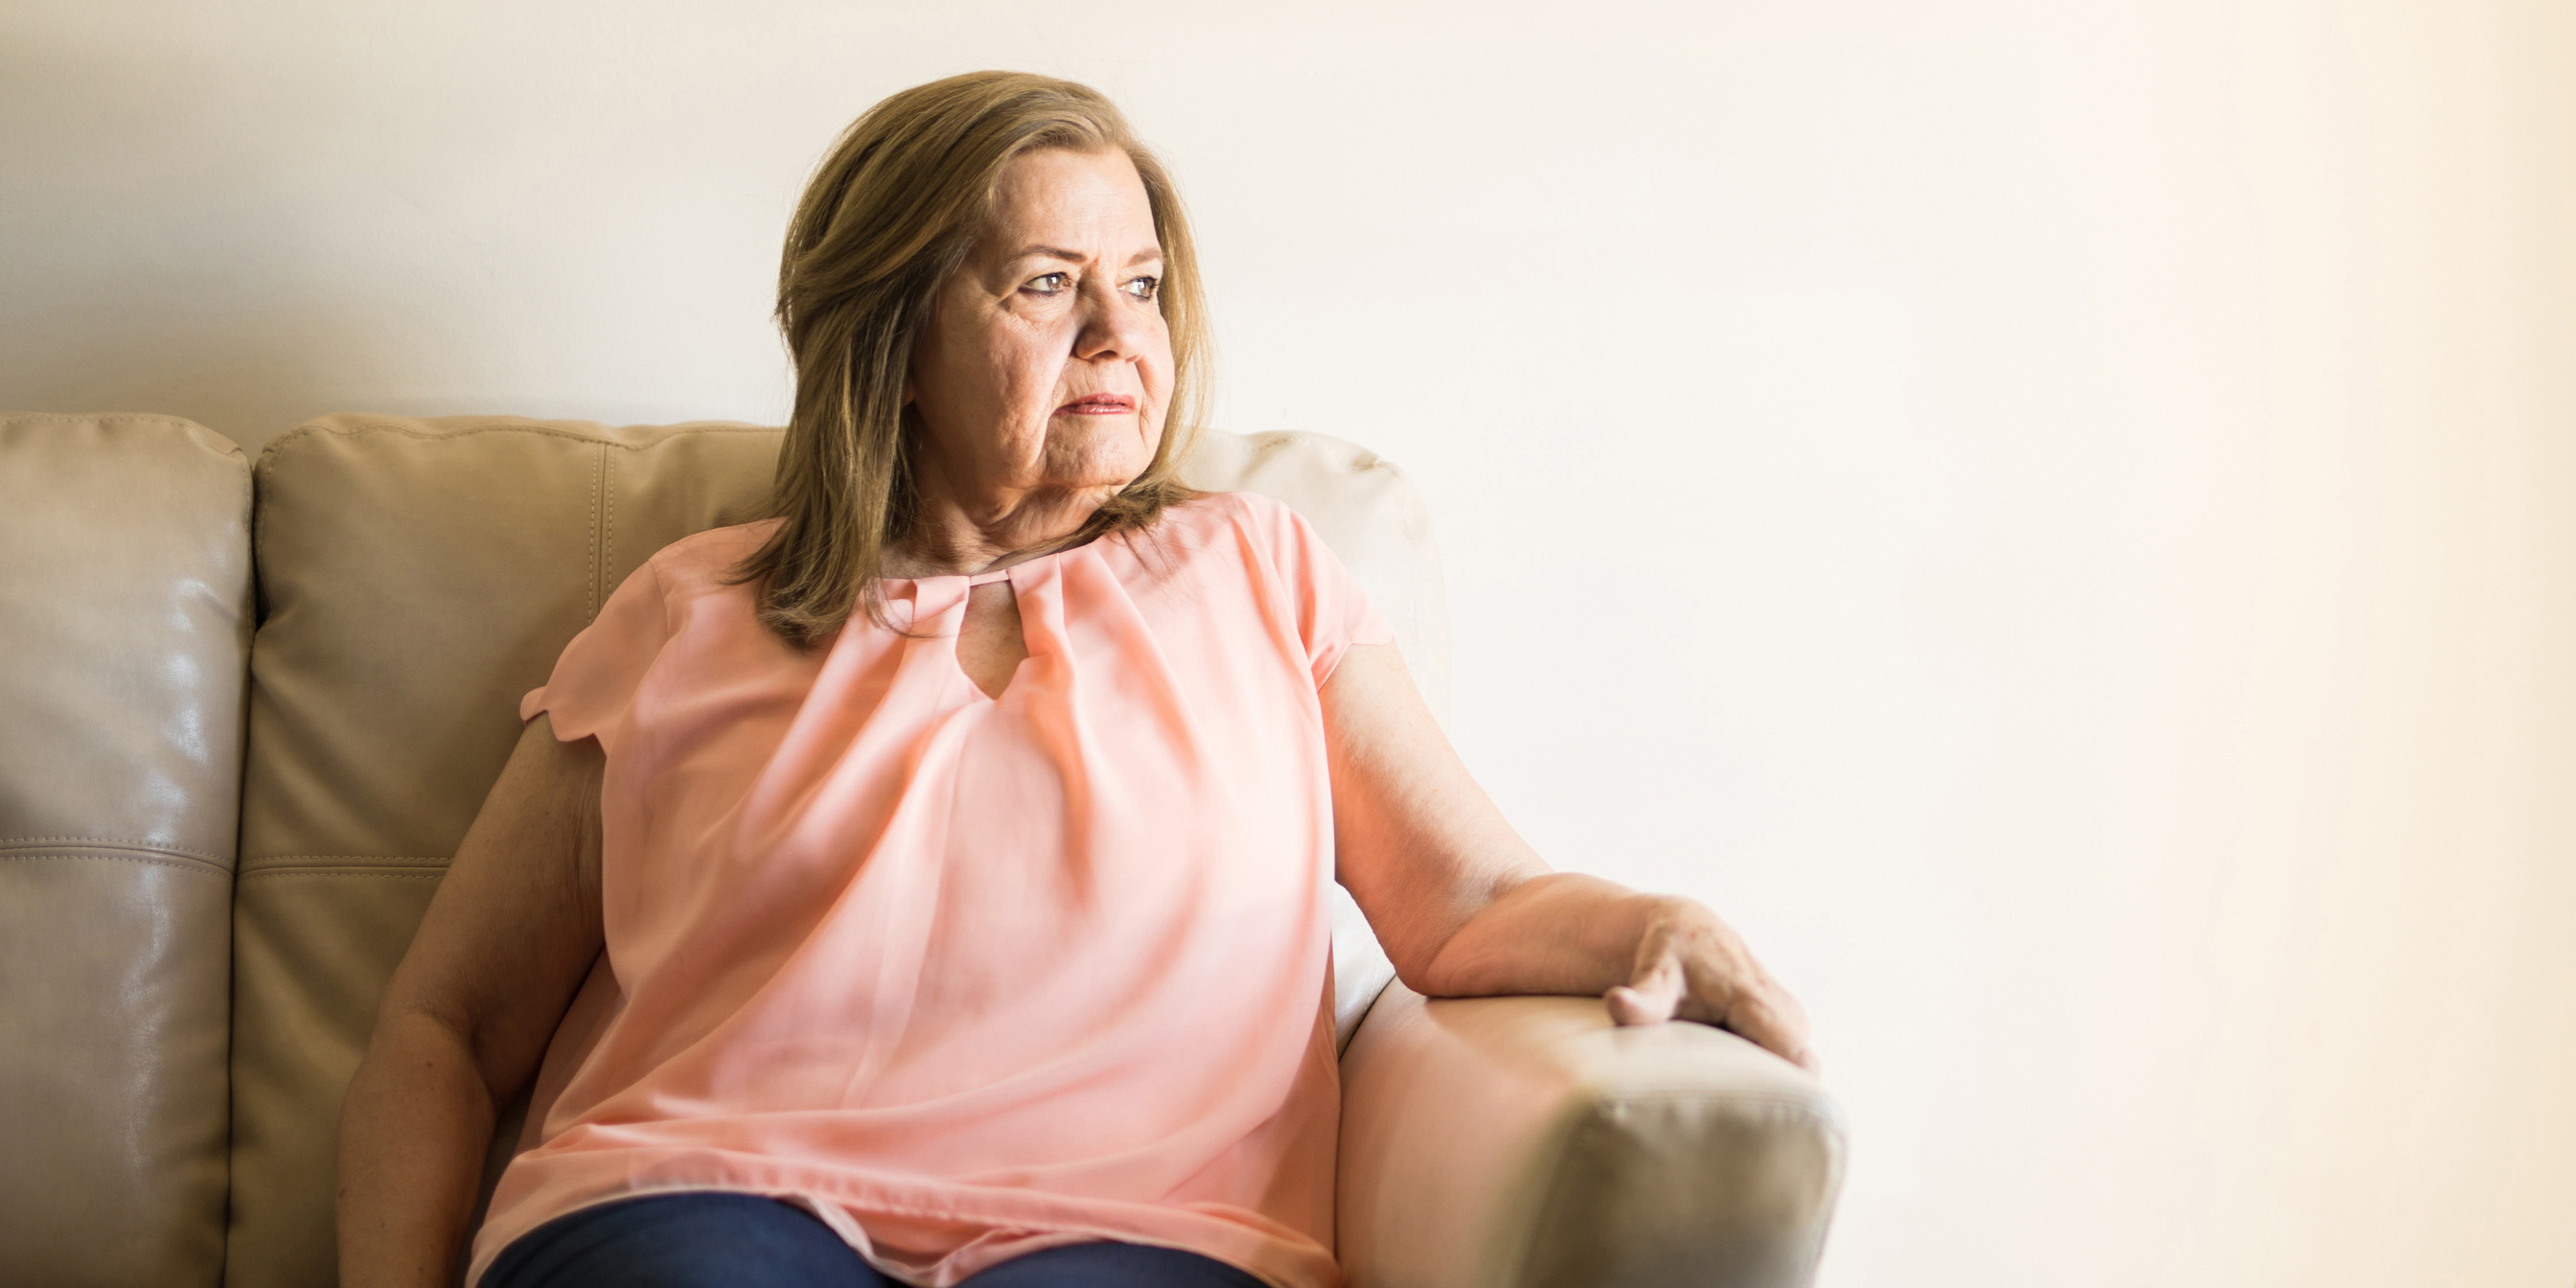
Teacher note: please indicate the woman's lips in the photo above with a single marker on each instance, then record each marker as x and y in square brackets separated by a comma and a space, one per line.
[1100, 405]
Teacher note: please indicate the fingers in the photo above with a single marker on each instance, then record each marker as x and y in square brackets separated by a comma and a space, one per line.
[1653, 995]
[1631, 1006]
[1769, 1018]
[1694, 967]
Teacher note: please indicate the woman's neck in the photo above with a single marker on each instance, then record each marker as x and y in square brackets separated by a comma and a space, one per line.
[949, 538]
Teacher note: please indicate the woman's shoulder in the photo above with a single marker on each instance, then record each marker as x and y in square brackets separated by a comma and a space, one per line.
[1266, 541]
[1211, 512]
[1261, 534]
[1260, 522]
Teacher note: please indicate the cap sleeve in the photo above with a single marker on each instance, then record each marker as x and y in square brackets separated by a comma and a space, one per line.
[595, 679]
[1333, 613]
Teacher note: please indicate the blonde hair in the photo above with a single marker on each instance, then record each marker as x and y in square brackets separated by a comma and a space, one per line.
[887, 217]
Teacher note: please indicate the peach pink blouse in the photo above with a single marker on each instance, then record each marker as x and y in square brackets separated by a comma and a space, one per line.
[967, 977]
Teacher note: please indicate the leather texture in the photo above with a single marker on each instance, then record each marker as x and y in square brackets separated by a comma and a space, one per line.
[418, 576]
[1526, 1142]
[125, 611]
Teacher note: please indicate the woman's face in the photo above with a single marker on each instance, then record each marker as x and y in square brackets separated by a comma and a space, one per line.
[1043, 375]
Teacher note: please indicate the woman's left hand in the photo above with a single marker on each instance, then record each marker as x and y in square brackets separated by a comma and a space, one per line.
[1692, 966]
[1465, 908]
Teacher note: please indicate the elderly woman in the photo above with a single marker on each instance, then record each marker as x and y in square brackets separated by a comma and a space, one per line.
[957, 836]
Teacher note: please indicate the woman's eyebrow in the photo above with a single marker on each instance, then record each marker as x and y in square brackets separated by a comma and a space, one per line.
[1077, 257]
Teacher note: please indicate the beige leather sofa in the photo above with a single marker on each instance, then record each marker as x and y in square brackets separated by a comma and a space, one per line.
[246, 713]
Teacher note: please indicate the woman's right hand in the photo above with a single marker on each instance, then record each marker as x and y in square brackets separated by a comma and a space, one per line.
[506, 942]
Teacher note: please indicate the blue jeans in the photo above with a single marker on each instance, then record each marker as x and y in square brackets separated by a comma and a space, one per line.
[719, 1240]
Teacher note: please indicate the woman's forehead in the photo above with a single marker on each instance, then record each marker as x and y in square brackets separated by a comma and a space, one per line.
[1091, 203]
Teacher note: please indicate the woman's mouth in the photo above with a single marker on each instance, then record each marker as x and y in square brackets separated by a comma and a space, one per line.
[1099, 405]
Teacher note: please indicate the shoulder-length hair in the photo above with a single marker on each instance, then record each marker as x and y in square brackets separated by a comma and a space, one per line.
[889, 214]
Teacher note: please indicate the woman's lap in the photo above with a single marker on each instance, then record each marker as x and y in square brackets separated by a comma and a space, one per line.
[707, 1240]
[682, 1241]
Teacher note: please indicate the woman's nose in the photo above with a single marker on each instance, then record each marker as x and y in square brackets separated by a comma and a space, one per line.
[1113, 327]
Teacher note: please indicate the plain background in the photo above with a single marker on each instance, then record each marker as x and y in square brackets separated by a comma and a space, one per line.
[2052, 516]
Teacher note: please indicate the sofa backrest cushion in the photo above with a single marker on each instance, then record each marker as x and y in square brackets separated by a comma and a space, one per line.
[417, 577]
[125, 617]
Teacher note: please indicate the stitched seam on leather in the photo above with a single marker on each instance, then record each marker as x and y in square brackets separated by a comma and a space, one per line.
[103, 417]
[368, 858]
[607, 523]
[1762, 1104]
[226, 448]
[1750, 1100]
[426, 865]
[1766, 1103]
[174, 864]
[100, 416]
[270, 862]
[111, 842]
[598, 467]
[406, 431]
[398, 874]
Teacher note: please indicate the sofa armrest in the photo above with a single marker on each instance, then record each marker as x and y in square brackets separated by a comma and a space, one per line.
[1527, 1141]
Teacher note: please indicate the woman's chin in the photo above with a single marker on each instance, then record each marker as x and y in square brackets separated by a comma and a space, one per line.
[1102, 459]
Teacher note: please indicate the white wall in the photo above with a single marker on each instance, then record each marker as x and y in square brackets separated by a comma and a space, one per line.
[2054, 516]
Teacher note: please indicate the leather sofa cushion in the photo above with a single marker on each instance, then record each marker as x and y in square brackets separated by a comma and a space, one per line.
[417, 577]
[125, 609]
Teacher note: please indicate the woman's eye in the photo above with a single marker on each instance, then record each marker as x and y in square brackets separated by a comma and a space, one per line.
[1049, 283]
[1143, 288]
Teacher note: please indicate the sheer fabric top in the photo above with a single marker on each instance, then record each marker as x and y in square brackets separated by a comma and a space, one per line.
[966, 976]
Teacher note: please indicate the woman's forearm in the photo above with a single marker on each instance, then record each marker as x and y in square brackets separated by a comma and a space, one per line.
[1465, 908]
[1558, 932]
[412, 1136]
[1650, 957]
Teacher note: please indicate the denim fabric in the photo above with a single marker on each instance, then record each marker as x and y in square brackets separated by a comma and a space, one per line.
[719, 1240]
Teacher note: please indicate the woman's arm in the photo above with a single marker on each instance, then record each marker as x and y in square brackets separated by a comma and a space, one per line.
[506, 941]
[1465, 908]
